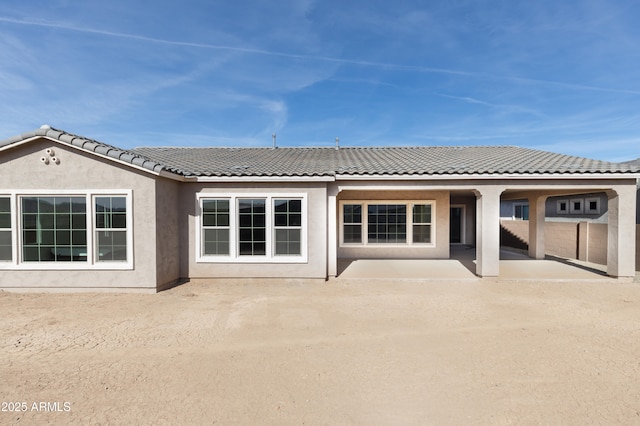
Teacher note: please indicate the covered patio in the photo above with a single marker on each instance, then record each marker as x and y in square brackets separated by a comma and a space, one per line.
[514, 266]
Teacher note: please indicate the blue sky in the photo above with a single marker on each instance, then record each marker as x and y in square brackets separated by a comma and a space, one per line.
[552, 75]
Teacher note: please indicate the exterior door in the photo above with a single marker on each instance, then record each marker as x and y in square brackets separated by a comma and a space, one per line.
[456, 225]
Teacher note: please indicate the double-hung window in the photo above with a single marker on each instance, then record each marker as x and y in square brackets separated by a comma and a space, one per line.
[111, 228]
[352, 227]
[215, 227]
[384, 223]
[252, 228]
[6, 249]
[287, 225]
[70, 231]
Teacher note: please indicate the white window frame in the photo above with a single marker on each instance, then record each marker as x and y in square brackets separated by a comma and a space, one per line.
[365, 223]
[572, 209]
[559, 209]
[588, 209]
[11, 229]
[91, 263]
[234, 256]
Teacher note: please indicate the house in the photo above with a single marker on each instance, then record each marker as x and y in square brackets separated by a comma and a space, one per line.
[78, 214]
[565, 208]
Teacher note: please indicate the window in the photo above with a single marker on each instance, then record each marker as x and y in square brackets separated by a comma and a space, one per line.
[352, 228]
[592, 205]
[111, 228]
[422, 223]
[6, 246]
[287, 221]
[66, 230]
[562, 207]
[576, 206]
[251, 228]
[521, 211]
[54, 229]
[215, 227]
[386, 223]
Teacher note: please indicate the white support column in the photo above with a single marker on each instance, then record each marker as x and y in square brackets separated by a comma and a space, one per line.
[621, 244]
[537, 207]
[488, 231]
[332, 231]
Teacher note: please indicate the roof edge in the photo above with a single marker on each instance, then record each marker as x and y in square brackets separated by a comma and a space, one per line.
[103, 150]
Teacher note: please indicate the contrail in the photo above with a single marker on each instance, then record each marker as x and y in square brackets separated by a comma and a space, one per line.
[409, 68]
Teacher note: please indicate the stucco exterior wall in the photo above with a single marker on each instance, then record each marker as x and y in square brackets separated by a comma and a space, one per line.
[597, 240]
[585, 241]
[561, 238]
[440, 250]
[519, 228]
[77, 170]
[168, 249]
[314, 268]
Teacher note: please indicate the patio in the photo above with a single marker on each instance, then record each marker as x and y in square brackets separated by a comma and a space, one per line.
[514, 265]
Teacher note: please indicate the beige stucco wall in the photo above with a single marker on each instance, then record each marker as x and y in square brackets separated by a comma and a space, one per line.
[22, 170]
[585, 241]
[168, 249]
[597, 239]
[316, 265]
[519, 228]
[561, 238]
[441, 227]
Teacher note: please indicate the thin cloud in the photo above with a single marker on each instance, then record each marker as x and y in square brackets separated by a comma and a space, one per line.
[249, 50]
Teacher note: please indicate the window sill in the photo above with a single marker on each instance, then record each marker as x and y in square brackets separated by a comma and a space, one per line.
[51, 266]
[252, 259]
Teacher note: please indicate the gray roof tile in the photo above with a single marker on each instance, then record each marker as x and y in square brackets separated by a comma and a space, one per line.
[423, 160]
[329, 161]
[88, 145]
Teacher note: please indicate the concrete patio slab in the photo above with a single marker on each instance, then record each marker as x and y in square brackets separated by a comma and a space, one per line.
[514, 265]
[433, 269]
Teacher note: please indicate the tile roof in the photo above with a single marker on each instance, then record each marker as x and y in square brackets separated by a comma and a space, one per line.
[329, 161]
[416, 160]
[88, 145]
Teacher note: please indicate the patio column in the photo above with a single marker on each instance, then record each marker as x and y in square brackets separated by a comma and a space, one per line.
[621, 241]
[537, 207]
[488, 231]
[332, 231]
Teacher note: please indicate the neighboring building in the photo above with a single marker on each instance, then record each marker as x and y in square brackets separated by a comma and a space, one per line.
[565, 208]
[79, 214]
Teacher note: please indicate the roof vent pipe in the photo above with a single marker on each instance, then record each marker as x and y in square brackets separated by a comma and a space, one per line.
[273, 137]
[337, 142]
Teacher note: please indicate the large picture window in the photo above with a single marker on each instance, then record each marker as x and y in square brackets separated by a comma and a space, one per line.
[387, 223]
[252, 228]
[74, 231]
[54, 229]
[401, 223]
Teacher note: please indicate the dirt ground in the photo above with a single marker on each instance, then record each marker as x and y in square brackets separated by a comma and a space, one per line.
[364, 353]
